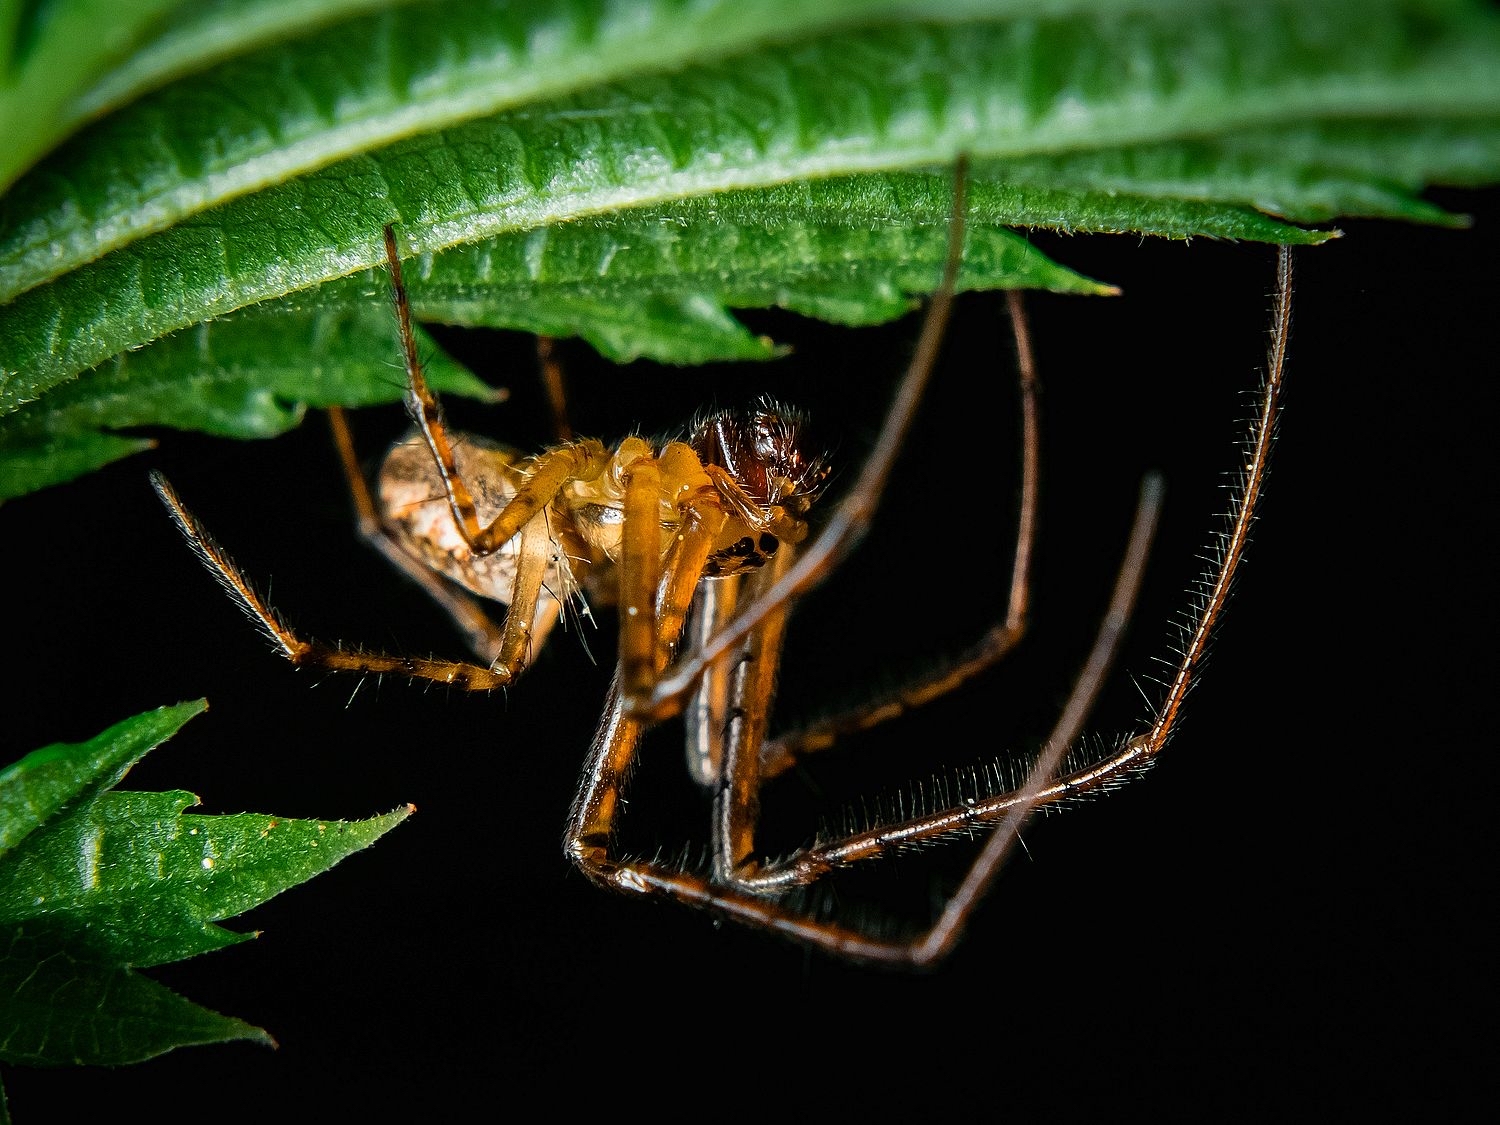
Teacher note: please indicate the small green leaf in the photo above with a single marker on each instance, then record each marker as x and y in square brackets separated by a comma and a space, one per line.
[99, 883]
[59, 1009]
[32, 462]
[128, 878]
[35, 788]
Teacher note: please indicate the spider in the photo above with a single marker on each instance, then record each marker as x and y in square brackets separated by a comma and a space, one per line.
[703, 543]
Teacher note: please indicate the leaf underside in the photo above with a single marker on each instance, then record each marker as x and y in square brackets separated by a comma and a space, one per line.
[195, 248]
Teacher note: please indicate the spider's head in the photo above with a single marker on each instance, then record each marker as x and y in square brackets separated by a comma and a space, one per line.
[761, 449]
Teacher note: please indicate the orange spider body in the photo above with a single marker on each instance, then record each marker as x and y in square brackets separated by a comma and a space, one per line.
[725, 500]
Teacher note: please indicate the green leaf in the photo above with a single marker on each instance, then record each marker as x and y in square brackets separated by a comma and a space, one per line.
[207, 31]
[131, 307]
[60, 1009]
[128, 878]
[31, 463]
[662, 281]
[1307, 175]
[248, 375]
[270, 113]
[255, 149]
[285, 111]
[891, 96]
[830, 249]
[97, 883]
[35, 788]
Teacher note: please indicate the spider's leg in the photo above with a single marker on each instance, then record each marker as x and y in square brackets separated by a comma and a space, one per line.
[726, 891]
[546, 475]
[555, 386]
[751, 691]
[533, 556]
[707, 709]
[852, 515]
[591, 824]
[810, 864]
[640, 571]
[781, 753]
[1143, 748]
[656, 585]
[1042, 786]
[1241, 514]
[471, 677]
[589, 843]
[465, 610]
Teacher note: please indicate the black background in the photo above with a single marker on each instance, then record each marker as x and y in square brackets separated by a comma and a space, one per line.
[1281, 914]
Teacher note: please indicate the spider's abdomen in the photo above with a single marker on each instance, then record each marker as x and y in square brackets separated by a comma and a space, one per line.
[418, 515]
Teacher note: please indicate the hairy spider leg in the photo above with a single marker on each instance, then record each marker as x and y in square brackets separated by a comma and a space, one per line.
[466, 610]
[782, 752]
[739, 889]
[506, 649]
[660, 588]
[473, 677]
[1143, 748]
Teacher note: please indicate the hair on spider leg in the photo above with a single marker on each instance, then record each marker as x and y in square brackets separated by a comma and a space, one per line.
[964, 785]
[1195, 626]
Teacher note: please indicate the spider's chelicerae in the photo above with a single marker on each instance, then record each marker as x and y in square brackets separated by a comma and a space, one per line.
[703, 544]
